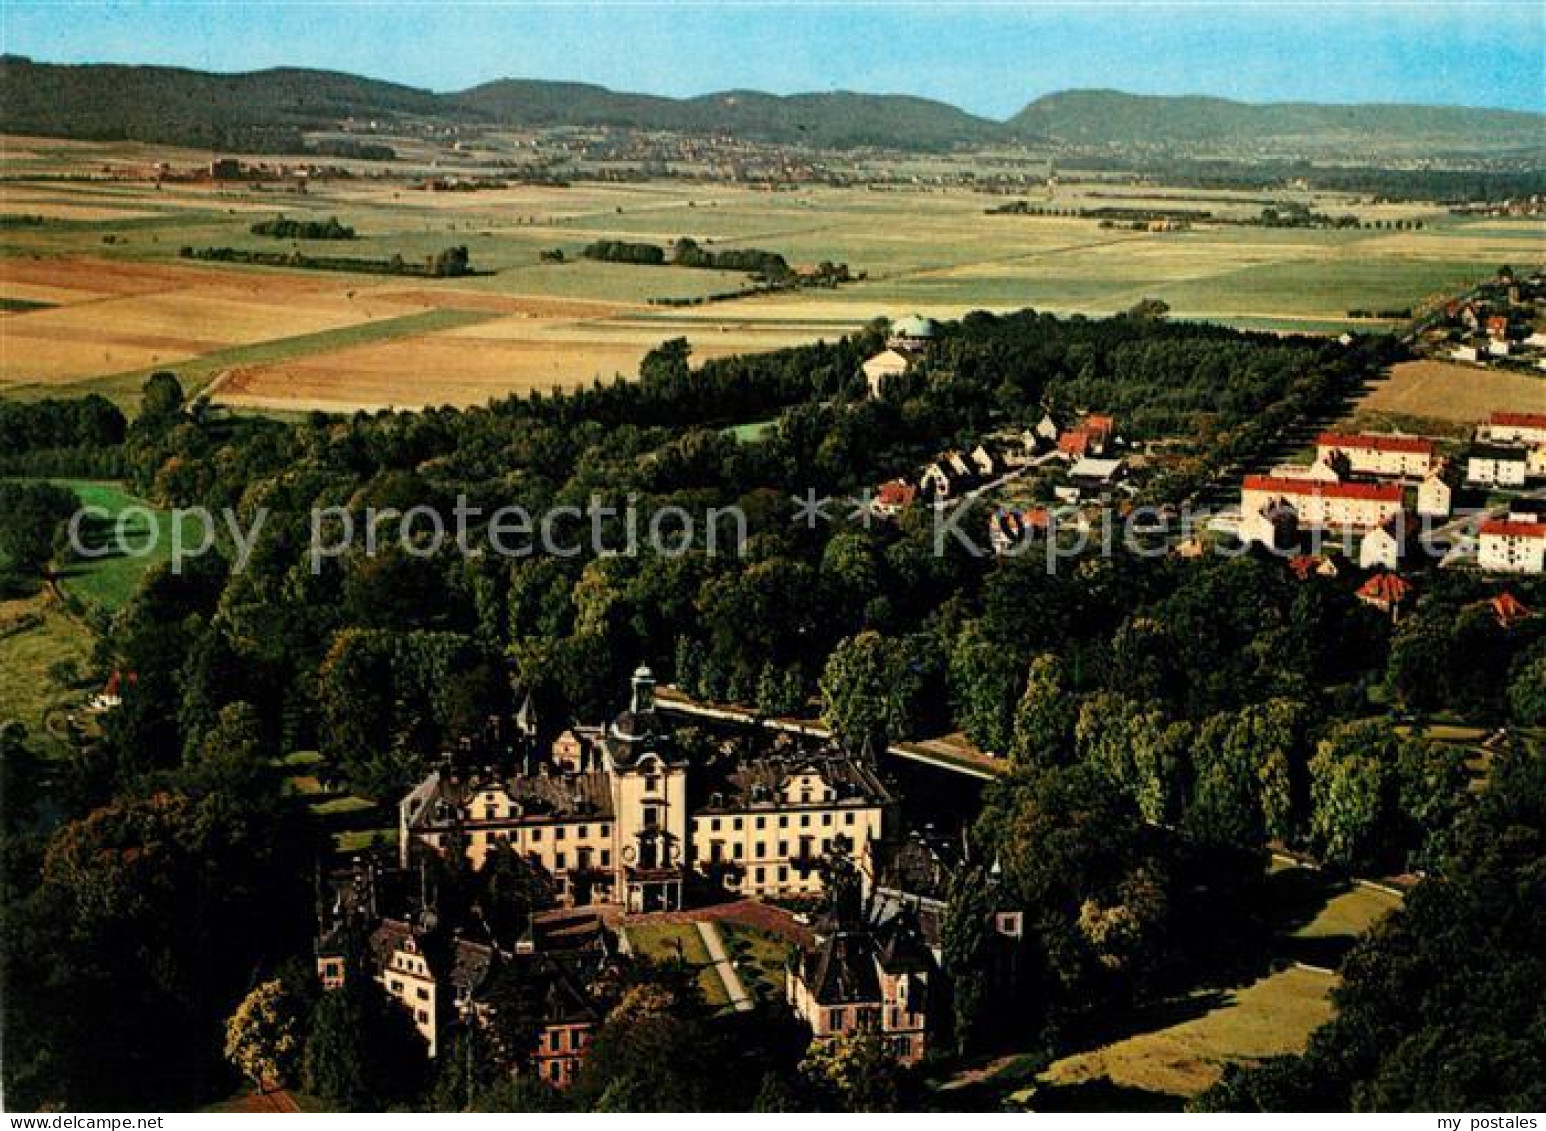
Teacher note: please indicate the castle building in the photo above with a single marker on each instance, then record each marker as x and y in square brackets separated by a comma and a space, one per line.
[619, 815]
[863, 978]
[441, 976]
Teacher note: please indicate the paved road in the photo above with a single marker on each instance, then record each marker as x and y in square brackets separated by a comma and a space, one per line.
[723, 966]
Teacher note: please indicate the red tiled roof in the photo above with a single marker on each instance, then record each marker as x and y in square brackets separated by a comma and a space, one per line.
[1097, 423]
[1386, 587]
[1510, 529]
[1519, 419]
[1509, 608]
[1303, 565]
[1075, 442]
[896, 493]
[1369, 492]
[1375, 443]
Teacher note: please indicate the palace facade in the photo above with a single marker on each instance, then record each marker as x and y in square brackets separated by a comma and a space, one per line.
[619, 814]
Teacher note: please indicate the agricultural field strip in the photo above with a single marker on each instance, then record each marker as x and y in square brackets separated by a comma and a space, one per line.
[195, 372]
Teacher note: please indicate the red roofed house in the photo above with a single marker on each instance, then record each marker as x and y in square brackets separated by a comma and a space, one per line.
[1009, 528]
[1509, 610]
[1511, 546]
[1359, 506]
[1517, 427]
[1385, 591]
[1091, 438]
[111, 695]
[894, 496]
[1101, 428]
[1407, 457]
[1075, 443]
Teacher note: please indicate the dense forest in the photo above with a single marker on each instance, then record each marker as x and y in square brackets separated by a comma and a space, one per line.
[1164, 719]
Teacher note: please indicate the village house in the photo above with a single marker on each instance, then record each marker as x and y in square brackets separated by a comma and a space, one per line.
[1094, 435]
[1385, 546]
[1390, 456]
[1509, 611]
[1386, 592]
[949, 476]
[1306, 566]
[987, 462]
[1512, 545]
[1515, 428]
[1436, 494]
[1009, 528]
[1497, 465]
[893, 497]
[1316, 505]
[617, 815]
[1092, 476]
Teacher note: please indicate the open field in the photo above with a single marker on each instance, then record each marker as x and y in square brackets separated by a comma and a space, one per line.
[1271, 1016]
[1451, 392]
[36, 634]
[107, 582]
[103, 256]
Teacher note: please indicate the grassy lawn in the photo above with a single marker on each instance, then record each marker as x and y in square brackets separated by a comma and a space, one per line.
[1180, 1047]
[1272, 1016]
[759, 957]
[752, 431]
[666, 942]
[36, 634]
[109, 581]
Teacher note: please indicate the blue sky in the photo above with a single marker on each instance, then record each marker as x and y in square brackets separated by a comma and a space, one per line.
[988, 58]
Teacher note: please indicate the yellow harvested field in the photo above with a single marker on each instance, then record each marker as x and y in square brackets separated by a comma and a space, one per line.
[115, 317]
[1448, 391]
[465, 366]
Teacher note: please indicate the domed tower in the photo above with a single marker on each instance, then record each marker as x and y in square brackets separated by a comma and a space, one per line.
[649, 802]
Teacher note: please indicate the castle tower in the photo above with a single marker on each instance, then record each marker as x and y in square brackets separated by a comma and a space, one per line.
[649, 803]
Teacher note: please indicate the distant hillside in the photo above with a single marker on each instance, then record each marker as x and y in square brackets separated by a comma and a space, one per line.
[267, 111]
[1111, 118]
[256, 111]
[839, 120]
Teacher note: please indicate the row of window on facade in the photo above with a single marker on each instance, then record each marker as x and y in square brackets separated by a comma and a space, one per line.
[716, 851]
[738, 823]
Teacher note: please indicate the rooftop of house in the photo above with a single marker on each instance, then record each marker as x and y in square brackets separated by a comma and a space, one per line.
[1373, 441]
[738, 783]
[1518, 419]
[1089, 467]
[920, 864]
[1509, 528]
[896, 493]
[545, 795]
[1386, 588]
[1365, 492]
[845, 966]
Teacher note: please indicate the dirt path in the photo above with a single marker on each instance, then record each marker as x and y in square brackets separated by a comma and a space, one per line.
[723, 966]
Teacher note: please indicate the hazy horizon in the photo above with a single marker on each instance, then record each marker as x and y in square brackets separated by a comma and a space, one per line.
[988, 59]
